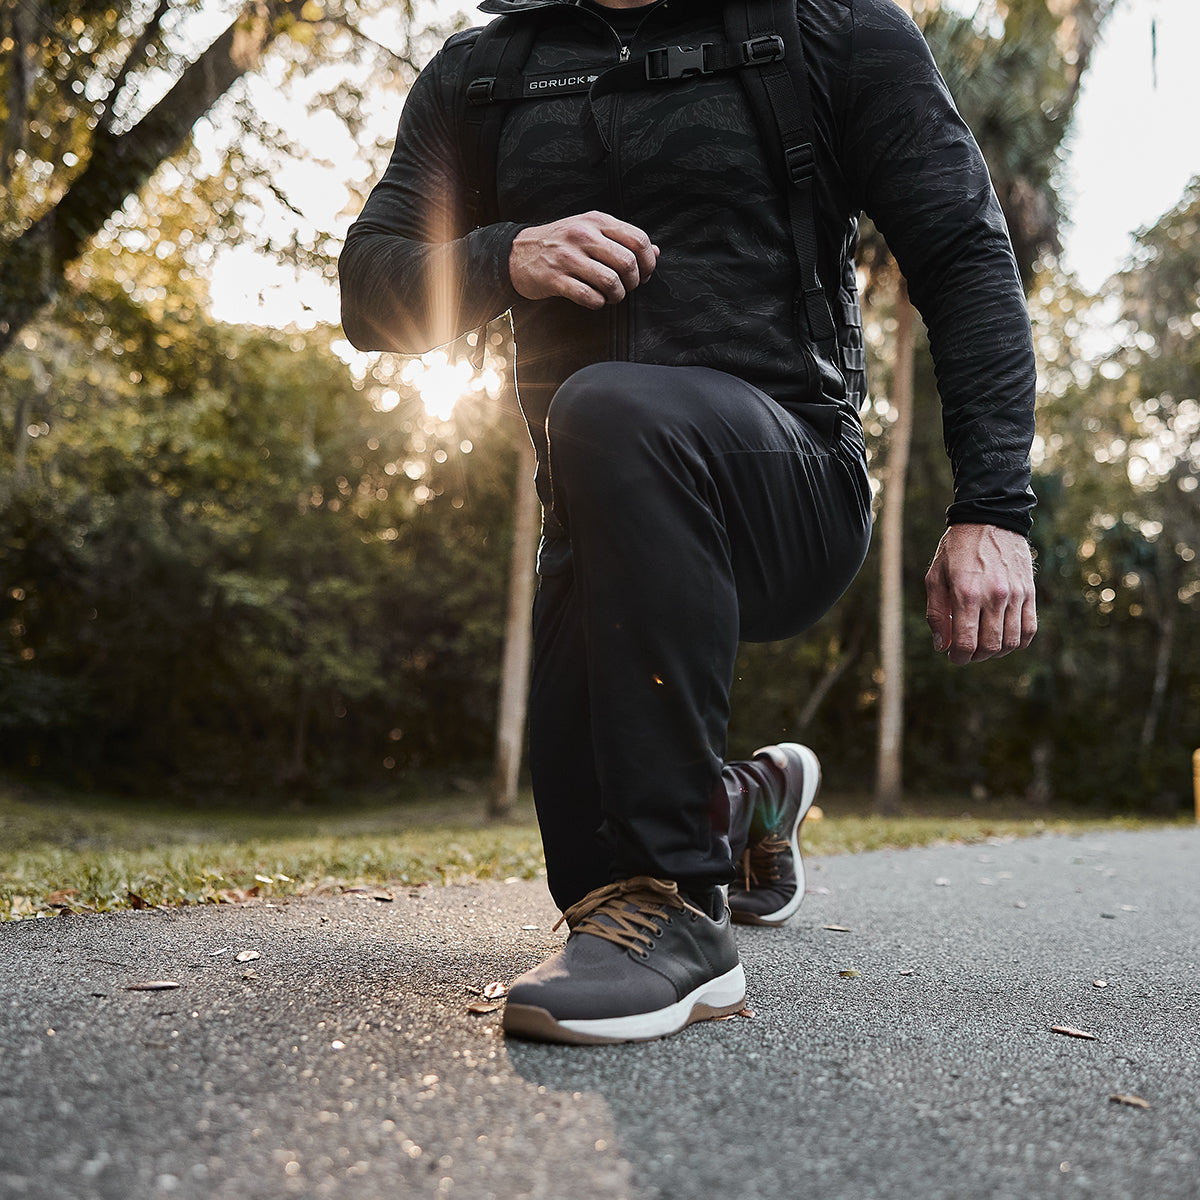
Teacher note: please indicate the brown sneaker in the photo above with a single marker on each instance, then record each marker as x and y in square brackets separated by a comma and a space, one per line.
[641, 962]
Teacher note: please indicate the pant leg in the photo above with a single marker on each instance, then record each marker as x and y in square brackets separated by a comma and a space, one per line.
[697, 511]
[562, 762]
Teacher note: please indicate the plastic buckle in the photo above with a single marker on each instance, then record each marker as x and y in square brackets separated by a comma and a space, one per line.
[799, 161]
[677, 62]
[479, 91]
[767, 48]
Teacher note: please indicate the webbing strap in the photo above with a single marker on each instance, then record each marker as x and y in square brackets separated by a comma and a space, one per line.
[781, 87]
[499, 53]
[669, 64]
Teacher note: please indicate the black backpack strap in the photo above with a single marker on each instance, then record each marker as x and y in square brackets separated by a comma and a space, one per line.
[492, 80]
[779, 94]
[671, 64]
[668, 64]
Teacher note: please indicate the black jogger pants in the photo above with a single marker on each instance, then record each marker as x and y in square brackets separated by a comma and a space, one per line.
[690, 510]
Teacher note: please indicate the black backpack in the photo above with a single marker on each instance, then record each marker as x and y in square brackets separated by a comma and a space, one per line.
[762, 42]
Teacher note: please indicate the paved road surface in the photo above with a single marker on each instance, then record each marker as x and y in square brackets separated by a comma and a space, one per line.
[909, 1053]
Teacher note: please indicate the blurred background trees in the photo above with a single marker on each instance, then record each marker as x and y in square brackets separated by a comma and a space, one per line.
[248, 560]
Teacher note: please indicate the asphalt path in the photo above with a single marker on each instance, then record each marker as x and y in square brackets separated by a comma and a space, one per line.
[901, 1043]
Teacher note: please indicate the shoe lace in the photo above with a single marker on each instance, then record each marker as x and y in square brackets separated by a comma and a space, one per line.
[760, 862]
[627, 912]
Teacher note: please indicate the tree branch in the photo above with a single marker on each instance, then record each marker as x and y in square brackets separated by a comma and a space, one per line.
[121, 164]
[134, 59]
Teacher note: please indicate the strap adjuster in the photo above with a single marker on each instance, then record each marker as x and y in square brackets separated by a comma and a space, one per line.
[677, 62]
[767, 48]
[800, 161]
[479, 91]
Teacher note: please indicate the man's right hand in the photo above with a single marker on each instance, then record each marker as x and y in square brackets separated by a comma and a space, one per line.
[592, 260]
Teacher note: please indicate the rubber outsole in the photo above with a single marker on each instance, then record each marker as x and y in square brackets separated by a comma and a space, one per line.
[718, 997]
[812, 785]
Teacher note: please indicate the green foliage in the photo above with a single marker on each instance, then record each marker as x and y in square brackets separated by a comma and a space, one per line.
[224, 562]
[229, 563]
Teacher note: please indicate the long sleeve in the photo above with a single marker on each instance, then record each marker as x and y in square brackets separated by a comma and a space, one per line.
[922, 179]
[413, 276]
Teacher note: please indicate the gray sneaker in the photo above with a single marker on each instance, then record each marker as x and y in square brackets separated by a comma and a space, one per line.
[641, 962]
[770, 883]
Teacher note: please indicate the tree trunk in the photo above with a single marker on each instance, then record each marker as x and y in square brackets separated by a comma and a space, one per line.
[1162, 672]
[889, 759]
[120, 165]
[842, 657]
[514, 675]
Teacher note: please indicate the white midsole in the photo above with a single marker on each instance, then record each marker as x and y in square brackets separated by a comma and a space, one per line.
[726, 989]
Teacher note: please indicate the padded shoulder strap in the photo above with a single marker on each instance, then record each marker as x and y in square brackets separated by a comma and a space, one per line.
[779, 93]
[500, 52]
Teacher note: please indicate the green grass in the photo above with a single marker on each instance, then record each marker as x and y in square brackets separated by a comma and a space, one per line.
[67, 852]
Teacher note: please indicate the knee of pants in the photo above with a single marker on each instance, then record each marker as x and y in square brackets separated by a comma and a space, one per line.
[601, 414]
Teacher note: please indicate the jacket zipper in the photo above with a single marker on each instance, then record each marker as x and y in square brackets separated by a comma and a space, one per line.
[620, 315]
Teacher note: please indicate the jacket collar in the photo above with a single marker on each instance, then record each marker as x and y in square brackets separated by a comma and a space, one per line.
[508, 6]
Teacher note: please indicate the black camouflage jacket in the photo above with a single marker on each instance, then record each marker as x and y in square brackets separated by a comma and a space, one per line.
[688, 166]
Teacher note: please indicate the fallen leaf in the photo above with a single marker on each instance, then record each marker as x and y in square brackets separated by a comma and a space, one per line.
[152, 985]
[850, 973]
[136, 901]
[479, 1007]
[1131, 1100]
[246, 955]
[1070, 1031]
[496, 990]
[838, 928]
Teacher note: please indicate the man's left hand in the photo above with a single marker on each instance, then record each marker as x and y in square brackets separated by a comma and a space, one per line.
[980, 593]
